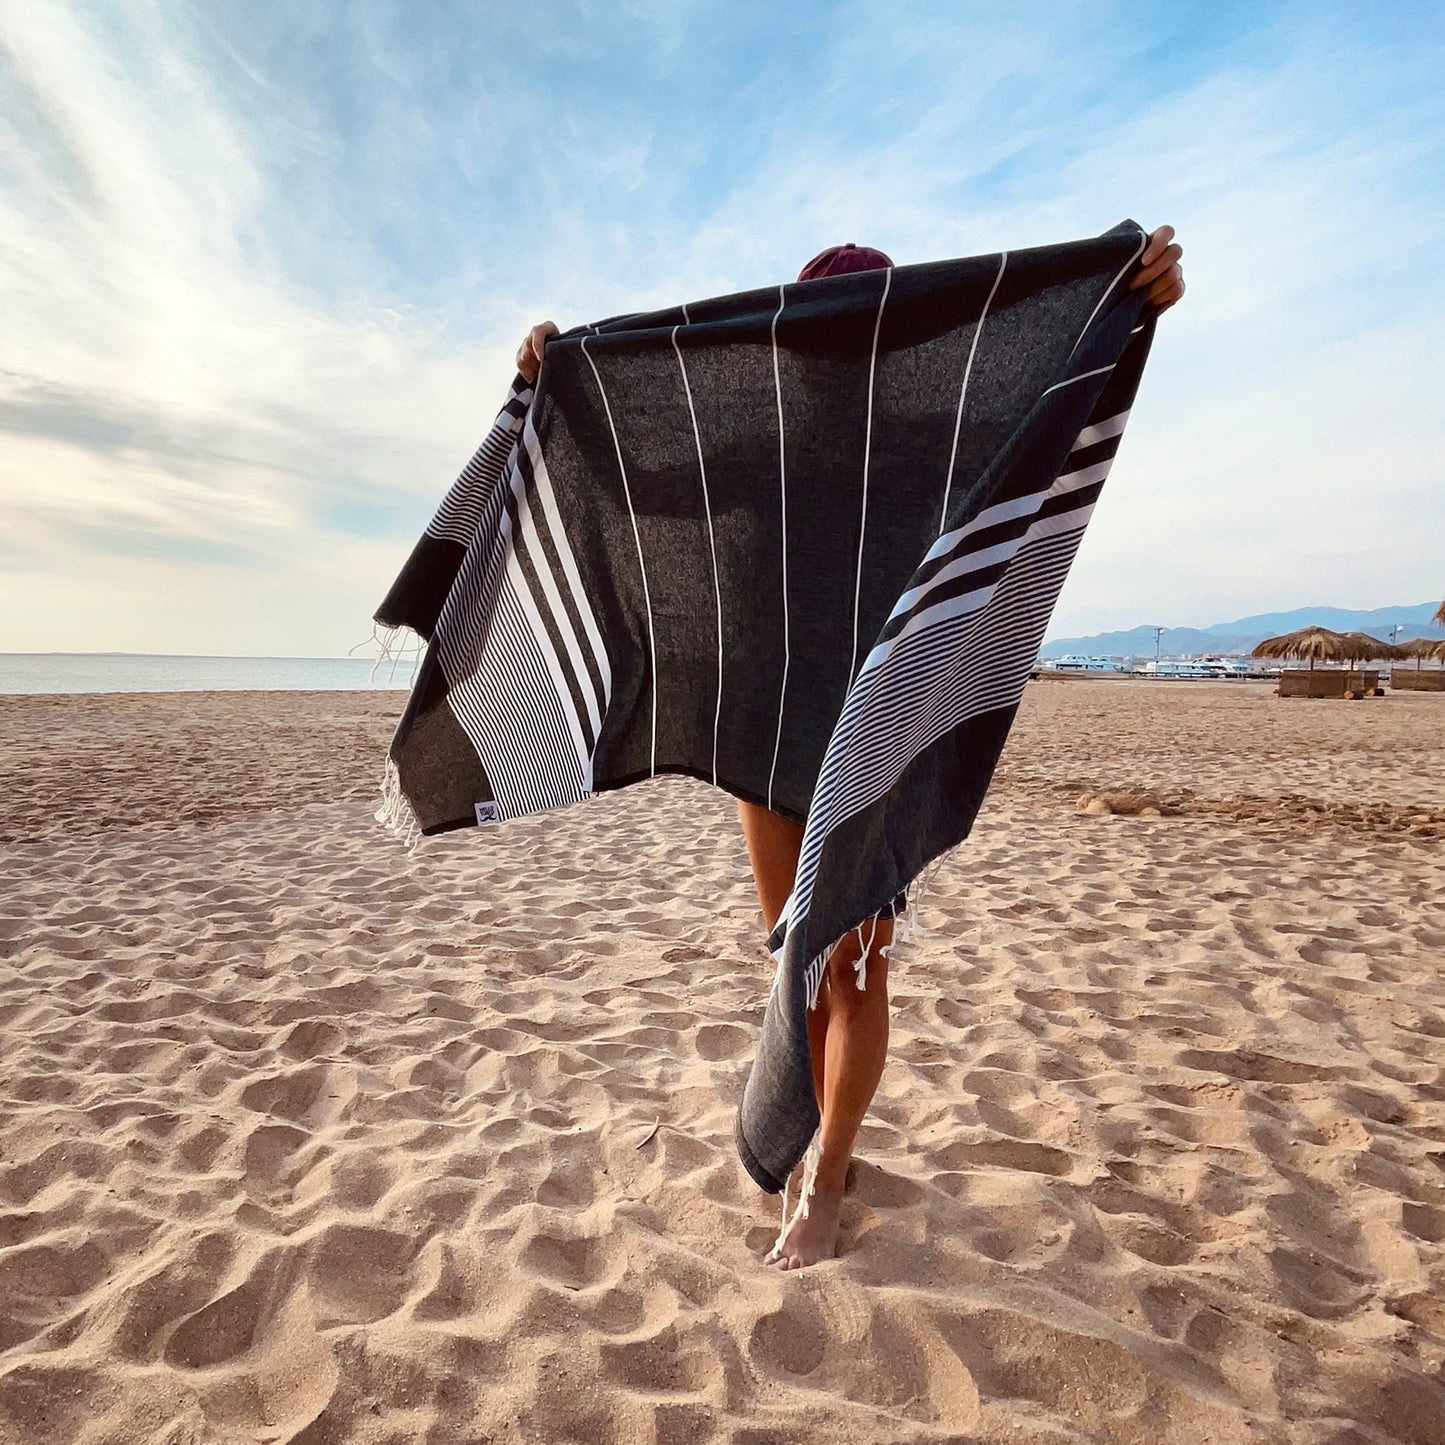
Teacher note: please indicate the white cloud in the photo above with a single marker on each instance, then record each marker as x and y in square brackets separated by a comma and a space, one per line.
[158, 376]
[212, 434]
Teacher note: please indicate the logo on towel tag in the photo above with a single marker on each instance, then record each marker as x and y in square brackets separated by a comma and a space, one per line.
[488, 813]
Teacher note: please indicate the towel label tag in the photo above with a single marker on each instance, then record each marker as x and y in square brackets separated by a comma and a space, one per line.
[488, 813]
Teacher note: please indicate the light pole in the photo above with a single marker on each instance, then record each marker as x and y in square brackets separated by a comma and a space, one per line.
[1158, 632]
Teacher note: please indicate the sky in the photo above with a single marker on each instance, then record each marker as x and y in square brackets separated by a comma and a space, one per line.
[264, 267]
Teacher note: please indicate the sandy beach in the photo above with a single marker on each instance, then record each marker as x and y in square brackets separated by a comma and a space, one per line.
[306, 1139]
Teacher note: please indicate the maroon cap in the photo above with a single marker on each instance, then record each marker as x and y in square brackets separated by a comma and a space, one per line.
[838, 260]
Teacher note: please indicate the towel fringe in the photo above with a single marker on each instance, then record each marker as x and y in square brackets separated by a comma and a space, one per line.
[395, 812]
[807, 1186]
[860, 966]
[905, 931]
[391, 646]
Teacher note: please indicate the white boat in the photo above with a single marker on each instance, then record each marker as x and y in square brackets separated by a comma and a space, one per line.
[1077, 663]
[1196, 668]
[1226, 667]
[1173, 668]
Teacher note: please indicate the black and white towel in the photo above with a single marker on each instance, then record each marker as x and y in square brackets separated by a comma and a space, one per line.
[801, 543]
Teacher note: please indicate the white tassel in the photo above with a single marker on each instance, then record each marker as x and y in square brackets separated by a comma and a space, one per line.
[381, 642]
[395, 812]
[390, 647]
[904, 930]
[777, 1248]
[860, 968]
[811, 1159]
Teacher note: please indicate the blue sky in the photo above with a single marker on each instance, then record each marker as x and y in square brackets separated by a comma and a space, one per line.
[265, 266]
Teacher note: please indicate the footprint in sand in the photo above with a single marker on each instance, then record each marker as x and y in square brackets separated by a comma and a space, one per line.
[231, 1324]
[1424, 1222]
[1147, 1240]
[667, 1362]
[360, 1273]
[791, 1340]
[571, 1264]
[568, 1186]
[54, 1401]
[1255, 1067]
[261, 1336]
[311, 1037]
[39, 1282]
[879, 1189]
[454, 1291]
[140, 1318]
[358, 1183]
[312, 1094]
[1007, 1154]
[1315, 1286]
[716, 1042]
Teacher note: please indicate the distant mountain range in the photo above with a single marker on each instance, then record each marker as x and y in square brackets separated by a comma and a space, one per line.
[1242, 634]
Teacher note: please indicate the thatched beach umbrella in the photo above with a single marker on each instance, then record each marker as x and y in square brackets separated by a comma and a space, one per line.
[1361, 647]
[1423, 647]
[1314, 643]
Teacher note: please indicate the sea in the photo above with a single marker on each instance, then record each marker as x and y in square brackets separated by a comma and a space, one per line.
[46, 672]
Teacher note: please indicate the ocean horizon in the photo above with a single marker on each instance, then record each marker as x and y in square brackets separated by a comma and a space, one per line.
[87, 672]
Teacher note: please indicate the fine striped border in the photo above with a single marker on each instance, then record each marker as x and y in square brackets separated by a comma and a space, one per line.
[953, 651]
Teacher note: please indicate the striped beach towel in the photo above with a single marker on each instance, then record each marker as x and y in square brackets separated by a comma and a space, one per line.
[800, 543]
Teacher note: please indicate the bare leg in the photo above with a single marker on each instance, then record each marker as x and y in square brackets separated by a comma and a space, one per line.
[818, 1042]
[773, 845]
[856, 1049]
[847, 1034]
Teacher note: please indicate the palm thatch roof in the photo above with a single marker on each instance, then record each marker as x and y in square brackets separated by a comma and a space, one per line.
[1318, 644]
[1421, 647]
[1361, 647]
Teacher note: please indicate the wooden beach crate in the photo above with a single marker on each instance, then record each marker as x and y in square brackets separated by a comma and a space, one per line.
[1328, 682]
[1423, 679]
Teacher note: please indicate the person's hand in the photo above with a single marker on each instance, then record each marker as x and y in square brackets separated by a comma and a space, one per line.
[1159, 269]
[529, 353]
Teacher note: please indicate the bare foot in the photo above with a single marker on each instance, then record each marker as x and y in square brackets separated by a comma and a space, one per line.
[813, 1237]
